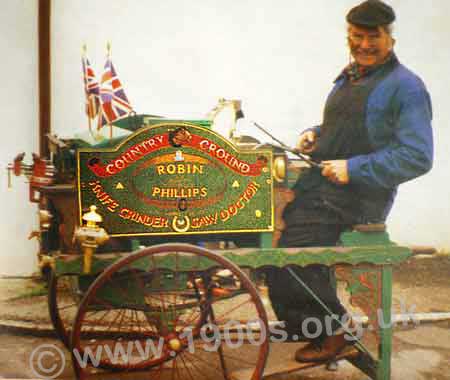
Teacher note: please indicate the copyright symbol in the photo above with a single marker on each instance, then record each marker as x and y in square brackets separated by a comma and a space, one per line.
[47, 361]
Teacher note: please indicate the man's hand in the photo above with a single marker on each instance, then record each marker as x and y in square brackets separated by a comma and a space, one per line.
[307, 142]
[336, 171]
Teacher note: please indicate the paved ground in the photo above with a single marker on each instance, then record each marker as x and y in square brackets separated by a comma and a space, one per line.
[420, 352]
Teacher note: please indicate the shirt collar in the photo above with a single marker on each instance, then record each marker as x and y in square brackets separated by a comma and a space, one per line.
[354, 72]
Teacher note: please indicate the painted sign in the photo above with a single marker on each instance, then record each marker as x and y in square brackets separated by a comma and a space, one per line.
[177, 178]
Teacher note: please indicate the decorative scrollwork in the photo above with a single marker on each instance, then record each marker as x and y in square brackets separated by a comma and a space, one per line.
[364, 285]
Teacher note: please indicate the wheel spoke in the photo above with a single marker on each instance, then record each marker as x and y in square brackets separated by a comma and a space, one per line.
[234, 308]
[65, 307]
[205, 362]
[186, 367]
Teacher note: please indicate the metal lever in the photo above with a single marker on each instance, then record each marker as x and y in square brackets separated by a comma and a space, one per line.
[289, 149]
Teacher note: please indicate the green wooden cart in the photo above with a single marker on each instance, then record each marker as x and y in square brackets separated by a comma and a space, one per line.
[192, 221]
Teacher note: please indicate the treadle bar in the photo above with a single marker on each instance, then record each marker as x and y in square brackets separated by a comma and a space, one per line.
[325, 307]
[365, 363]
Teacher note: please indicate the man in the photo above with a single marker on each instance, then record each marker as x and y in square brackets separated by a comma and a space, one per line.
[376, 134]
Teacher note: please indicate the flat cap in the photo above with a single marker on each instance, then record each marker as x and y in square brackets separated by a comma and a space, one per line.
[371, 13]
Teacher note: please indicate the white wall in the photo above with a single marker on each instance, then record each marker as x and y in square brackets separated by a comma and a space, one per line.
[176, 58]
[19, 116]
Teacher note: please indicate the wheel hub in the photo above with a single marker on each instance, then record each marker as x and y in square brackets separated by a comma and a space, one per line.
[175, 344]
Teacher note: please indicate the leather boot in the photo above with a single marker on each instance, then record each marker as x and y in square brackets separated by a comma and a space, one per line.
[327, 350]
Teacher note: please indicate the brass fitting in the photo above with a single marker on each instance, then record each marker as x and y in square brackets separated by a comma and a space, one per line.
[279, 169]
[45, 218]
[90, 236]
[46, 261]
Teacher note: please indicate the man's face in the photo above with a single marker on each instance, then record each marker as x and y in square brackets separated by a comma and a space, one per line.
[369, 46]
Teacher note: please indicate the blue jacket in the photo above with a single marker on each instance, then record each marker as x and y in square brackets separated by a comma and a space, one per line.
[398, 121]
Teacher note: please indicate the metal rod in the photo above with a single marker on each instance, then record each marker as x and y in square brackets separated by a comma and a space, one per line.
[9, 177]
[44, 69]
[358, 343]
[287, 148]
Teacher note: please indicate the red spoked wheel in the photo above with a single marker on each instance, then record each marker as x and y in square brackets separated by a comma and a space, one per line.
[176, 310]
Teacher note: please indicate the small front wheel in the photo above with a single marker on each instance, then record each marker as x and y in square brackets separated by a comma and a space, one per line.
[64, 296]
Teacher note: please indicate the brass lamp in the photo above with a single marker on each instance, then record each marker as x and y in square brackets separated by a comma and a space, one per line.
[90, 237]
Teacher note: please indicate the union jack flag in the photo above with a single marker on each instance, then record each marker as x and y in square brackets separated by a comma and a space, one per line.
[91, 88]
[113, 101]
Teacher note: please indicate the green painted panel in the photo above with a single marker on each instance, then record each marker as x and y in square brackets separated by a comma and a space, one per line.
[74, 264]
[255, 258]
[134, 122]
[355, 238]
[177, 178]
[377, 255]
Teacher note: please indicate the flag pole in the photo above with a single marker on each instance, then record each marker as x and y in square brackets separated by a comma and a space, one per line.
[108, 49]
[84, 50]
[90, 126]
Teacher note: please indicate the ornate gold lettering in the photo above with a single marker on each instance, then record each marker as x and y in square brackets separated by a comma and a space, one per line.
[179, 192]
[182, 168]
